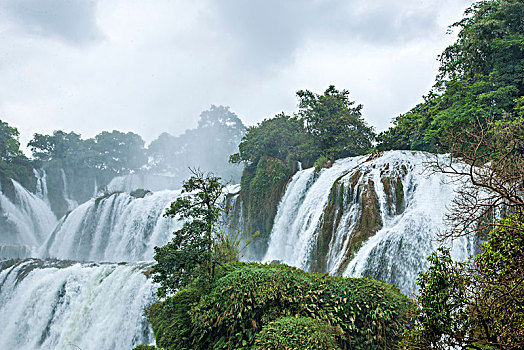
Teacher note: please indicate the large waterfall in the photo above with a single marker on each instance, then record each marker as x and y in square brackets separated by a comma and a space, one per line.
[65, 305]
[116, 227]
[366, 216]
[25, 222]
[376, 218]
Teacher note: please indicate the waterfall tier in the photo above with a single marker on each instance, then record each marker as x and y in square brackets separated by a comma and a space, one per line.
[366, 217]
[117, 227]
[65, 305]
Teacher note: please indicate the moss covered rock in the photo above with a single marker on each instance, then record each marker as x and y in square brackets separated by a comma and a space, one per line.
[263, 186]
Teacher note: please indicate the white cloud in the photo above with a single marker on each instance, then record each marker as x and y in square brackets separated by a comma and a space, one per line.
[151, 67]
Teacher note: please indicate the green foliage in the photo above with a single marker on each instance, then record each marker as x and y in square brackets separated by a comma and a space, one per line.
[334, 123]
[171, 321]
[440, 304]
[280, 137]
[189, 254]
[13, 163]
[481, 77]
[479, 307]
[246, 299]
[320, 163]
[9, 145]
[289, 333]
[145, 347]
[118, 152]
[263, 185]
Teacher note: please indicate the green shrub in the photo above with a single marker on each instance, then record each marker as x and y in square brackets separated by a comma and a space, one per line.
[298, 333]
[319, 163]
[145, 347]
[171, 321]
[246, 298]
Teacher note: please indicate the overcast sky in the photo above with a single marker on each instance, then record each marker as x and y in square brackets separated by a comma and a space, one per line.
[153, 66]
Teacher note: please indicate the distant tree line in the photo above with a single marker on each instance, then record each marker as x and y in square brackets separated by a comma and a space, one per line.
[83, 165]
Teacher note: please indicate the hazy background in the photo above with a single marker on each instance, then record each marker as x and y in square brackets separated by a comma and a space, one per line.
[153, 66]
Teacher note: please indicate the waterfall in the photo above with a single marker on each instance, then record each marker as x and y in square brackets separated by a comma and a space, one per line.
[152, 182]
[116, 227]
[41, 184]
[71, 203]
[300, 212]
[375, 218]
[65, 305]
[25, 222]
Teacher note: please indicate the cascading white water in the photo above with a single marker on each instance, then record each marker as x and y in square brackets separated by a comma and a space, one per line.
[300, 212]
[25, 222]
[151, 182]
[398, 250]
[61, 305]
[118, 227]
[71, 203]
[41, 184]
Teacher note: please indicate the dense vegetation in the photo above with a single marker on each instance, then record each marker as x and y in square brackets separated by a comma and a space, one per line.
[13, 163]
[475, 305]
[326, 127]
[481, 80]
[249, 306]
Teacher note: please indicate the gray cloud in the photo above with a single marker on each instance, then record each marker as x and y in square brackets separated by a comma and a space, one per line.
[74, 21]
[161, 63]
[268, 32]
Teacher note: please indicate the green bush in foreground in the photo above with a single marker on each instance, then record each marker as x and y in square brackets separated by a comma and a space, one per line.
[297, 333]
[245, 301]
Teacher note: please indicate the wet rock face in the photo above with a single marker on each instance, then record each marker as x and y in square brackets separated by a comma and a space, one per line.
[357, 191]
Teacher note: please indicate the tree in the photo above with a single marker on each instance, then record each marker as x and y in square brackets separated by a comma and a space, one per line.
[189, 255]
[119, 152]
[480, 77]
[479, 305]
[474, 305]
[67, 148]
[208, 146]
[13, 163]
[279, 137]
[335, 123]
[9, 144]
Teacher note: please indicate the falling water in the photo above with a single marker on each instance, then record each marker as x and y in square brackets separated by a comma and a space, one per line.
[115, 228]
[66, 305]
[406, 236]
[25, 222]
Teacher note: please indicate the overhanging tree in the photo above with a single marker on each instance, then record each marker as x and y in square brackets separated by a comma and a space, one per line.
[189, 255]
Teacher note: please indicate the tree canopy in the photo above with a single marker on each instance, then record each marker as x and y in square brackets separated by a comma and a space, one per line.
[208, 146]
[481, 76]
[13, 163]
[335, 123]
